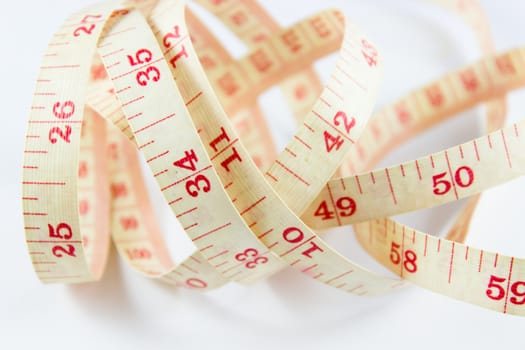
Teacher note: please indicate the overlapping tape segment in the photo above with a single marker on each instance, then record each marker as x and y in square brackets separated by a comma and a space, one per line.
[148, 76]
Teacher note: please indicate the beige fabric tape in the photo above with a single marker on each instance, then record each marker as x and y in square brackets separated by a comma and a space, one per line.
[148, 77]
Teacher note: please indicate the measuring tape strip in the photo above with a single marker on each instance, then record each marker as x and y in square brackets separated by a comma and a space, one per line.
[52, 143]
[137, 235]
[139, 249]
[196, 79]
[184, 171]
[213, 55]
[475, 18]
[128, 248]
[145, 251]
[482, 39]
[433, 180]
[408, 116]
[252, 24]
[419, 184]
[484, 288]
[235, 12]
[469, 11]
[473, 275]
[204, 133]
[93, 194]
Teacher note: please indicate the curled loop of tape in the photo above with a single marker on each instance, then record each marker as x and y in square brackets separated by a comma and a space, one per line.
[148, 76]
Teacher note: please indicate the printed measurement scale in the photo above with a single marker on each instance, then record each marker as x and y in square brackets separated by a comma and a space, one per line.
[244, 222]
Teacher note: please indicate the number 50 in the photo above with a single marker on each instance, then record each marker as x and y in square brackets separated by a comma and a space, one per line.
[442, 186]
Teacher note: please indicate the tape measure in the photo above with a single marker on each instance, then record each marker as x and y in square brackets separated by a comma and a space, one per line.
[147, 77]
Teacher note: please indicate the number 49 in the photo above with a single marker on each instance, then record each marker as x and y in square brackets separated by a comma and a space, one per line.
[345, 207]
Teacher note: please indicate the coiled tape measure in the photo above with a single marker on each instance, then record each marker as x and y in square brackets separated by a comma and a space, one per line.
[119, 77]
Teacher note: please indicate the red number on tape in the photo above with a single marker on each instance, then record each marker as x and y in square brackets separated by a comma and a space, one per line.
[496, 290]
[442, 186]
[409, 261]
[63, 134]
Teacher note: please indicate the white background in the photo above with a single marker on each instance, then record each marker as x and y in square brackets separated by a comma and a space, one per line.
[419, 42]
